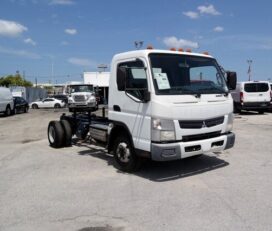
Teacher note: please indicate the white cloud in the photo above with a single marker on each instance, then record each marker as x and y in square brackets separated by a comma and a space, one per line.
[11, 28]
[82, 62]
[30, 41]
[208, 10]
[71, 31]
[21, 53]
[62, 2]
[179, 43]
[191, 14]
[218, 29]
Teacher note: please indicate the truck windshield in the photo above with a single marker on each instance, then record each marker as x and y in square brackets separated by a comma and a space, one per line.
[184, 74]
[81, 88]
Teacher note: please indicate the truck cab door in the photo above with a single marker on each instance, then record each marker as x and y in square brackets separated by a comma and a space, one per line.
[131, 105]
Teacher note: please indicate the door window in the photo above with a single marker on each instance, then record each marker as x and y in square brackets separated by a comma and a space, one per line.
[136, 81]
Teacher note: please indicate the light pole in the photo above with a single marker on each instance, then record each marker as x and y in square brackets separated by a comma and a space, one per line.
[138, 44]
[249, 61]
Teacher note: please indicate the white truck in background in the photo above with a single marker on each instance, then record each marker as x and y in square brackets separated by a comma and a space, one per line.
[6, 101]
[163, 105]
[252, 96]
[81, 97]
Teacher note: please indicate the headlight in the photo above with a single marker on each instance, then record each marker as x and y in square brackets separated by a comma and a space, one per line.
[230, 122]
[163, 130]
[90, 98]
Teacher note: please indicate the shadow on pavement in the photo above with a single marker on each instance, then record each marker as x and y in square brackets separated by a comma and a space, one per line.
[164, 171]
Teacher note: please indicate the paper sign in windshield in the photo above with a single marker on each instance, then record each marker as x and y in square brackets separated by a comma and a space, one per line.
[162, 81]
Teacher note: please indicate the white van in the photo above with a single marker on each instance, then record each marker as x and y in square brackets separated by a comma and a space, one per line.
[6, 101]
[252, 96]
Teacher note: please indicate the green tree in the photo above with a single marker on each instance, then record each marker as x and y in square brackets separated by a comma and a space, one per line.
[14, 80]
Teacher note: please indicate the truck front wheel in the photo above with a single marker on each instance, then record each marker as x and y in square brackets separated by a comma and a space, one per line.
[124, 154]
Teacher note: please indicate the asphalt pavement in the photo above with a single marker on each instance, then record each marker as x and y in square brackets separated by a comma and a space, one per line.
[79, 188]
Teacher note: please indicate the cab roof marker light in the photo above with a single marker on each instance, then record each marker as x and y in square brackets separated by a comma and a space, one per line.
[173, 49]
[205, 53]
[180, 50]
[149, 47]
[189, 50]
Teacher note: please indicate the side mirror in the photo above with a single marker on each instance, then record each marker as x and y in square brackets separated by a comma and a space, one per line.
[121, 78]
[231, 80]
[146, 96]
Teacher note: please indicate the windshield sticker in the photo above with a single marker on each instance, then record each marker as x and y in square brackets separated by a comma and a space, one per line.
[162, 81]
[157, 70]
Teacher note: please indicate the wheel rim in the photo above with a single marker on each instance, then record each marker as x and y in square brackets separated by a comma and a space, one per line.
[51, 134]
[123, 152]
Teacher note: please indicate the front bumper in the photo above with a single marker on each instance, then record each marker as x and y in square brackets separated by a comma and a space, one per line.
[82, 105]
[180, 150]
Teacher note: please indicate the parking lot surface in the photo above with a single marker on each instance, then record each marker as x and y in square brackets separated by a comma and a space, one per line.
[79, 188]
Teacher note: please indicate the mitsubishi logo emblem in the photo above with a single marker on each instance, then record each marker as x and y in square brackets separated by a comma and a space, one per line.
[204, 124]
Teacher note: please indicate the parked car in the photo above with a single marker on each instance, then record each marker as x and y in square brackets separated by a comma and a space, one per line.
[64, 98]
[6, 101]
[47, 103]
[20, 105]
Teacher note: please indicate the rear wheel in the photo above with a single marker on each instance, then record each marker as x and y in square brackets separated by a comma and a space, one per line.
[8, 111]
[261, 111]
[67, 132]
[124, 154]
[56, 136]
[35, 106]
[236, 109]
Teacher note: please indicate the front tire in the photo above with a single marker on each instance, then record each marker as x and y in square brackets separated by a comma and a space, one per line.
[35, 106]
[124, 154]
[55, 133]
[57, 105]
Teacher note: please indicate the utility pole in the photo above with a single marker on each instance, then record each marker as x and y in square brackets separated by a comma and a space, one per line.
[36, 82]
[249, 61]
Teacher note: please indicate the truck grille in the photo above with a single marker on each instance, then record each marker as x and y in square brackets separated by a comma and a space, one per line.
[79, 98]
[201, 136]
[196, 124]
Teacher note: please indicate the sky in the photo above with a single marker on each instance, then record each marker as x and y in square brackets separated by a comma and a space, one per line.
[57, 40]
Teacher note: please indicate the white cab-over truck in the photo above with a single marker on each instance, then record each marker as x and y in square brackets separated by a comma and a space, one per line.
[163, 105]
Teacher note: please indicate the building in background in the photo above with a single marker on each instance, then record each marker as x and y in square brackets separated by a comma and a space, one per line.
[100, 80]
